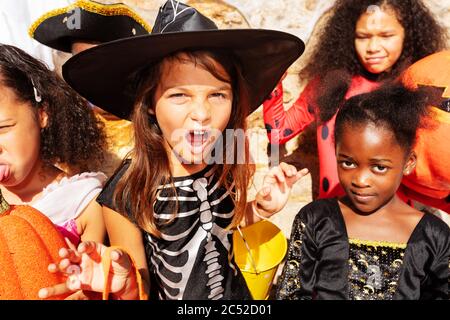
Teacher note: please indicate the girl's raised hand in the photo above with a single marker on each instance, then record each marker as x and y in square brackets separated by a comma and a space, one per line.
[276, 188]
[85, 271]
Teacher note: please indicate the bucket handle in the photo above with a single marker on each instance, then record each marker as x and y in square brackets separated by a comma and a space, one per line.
[249, 251]
[245, 241]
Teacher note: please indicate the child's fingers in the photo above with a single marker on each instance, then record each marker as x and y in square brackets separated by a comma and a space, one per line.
[297, 176]
[288, 170]
[64, 264]
[53, 268]
[263, 193]
[302, 173]
[55, 290]
[92, 249]
[277, 174]
[87, 247]
[70, 244]
[79, 295]
[121, 261]
[70, 254]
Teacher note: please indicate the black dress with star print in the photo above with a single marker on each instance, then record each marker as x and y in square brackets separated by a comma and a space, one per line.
[323, 263]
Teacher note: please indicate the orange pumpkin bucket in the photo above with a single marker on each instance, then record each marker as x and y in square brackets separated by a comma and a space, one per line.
[258, 250]
[29, 242]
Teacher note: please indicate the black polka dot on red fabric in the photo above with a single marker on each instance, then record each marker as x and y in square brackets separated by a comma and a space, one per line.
[287, 132]
[409, 202]
[447, 199]
[310, 108]
[277, 123]
[276, 93]
[268, 127]
[325, 132]
[325, 184]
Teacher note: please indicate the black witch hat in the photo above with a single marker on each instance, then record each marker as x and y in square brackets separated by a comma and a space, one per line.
[102, 74]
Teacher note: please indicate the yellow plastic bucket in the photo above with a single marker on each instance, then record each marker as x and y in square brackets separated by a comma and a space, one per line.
[258, 251]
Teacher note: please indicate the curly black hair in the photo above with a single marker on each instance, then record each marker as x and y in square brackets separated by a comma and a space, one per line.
[392, 106]
[73, 135]
[335, 49]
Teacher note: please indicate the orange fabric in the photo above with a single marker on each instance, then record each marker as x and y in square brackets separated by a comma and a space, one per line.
[29, 242]
[431, 178]
[432, 174]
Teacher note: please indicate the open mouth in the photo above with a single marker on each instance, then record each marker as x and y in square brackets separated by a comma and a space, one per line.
[198, 138]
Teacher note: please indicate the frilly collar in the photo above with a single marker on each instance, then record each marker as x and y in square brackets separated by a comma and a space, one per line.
[67, 180]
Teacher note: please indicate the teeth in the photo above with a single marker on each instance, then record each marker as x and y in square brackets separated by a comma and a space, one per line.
[199, 132]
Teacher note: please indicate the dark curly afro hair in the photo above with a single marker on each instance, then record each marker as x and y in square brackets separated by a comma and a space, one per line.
[73, 136]
[334, 55]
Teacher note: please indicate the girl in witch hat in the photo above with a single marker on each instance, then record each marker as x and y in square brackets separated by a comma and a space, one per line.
[80, 26]
[173, 207]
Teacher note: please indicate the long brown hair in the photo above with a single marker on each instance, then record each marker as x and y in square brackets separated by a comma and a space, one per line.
[150, 165]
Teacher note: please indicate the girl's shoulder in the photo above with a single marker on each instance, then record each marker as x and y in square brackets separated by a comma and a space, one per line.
[67, 198]
[431, 232]
[320, 209]
[115, 177]
[434, 227]
[88, 179]
[106, 196]
[322, 206]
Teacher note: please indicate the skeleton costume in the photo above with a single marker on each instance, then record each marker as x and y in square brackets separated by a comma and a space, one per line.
[323, 263]
[193, 259]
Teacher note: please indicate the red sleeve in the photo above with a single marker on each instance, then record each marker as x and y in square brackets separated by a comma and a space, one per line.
[283, 125]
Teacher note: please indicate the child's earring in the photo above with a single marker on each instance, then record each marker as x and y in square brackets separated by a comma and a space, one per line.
[37, 96]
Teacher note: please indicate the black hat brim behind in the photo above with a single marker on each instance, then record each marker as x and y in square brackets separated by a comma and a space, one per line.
[102, 74]
[95, 22]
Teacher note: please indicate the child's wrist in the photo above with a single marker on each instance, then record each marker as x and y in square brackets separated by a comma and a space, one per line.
[260, 212]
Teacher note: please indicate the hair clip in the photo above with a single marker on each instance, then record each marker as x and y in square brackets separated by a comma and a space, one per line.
[37, 97]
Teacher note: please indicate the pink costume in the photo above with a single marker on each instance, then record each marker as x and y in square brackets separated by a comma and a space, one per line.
[64, 201]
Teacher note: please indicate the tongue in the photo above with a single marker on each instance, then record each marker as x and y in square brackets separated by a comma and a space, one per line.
[4, 172]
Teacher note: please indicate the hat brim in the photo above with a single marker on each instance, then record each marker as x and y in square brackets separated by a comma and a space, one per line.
[101, 74]
[97, 22]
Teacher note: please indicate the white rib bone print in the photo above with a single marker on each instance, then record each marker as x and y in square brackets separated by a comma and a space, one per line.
[206, 228]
